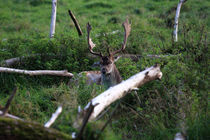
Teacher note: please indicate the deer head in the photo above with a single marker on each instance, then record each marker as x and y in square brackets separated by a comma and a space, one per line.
[110, 76]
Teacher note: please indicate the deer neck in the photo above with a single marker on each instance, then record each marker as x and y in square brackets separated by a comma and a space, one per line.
[112, 78]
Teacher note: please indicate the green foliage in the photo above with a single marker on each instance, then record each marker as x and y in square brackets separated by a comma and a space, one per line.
[152, 113]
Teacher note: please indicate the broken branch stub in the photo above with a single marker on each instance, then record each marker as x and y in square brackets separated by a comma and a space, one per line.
[114, 93]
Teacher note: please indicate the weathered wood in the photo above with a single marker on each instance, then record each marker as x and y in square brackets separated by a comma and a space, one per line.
[54, 117]
[13, 61]
[37, 72]
[10, 116]
[175, 33]
[75, 22]
[53, 18]
[120, 90]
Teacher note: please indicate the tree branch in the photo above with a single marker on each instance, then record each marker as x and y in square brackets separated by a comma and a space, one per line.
[75, 23]
[12, 61]
[10, 116]
[37, 72]
[54, 117]
[5, 110]
[89, 110]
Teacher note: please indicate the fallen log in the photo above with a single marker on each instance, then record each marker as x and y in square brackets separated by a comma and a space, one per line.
[11, 129]
[37, 72]
[14, 61]
[114, 93]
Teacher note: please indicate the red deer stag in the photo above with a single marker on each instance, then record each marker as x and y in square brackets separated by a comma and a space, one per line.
[109, 74]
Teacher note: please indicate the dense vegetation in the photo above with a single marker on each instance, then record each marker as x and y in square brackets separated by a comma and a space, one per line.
[24, 31]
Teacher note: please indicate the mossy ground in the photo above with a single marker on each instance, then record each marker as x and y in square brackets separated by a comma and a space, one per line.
[16, 129]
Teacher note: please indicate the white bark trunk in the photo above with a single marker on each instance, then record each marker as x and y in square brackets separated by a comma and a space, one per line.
[120, 90]
[177, 19]
[37, 72]
[53, 18]
[54, 117]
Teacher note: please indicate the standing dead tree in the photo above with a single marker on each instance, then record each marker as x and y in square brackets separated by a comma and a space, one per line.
[53, 18]
[175, 33]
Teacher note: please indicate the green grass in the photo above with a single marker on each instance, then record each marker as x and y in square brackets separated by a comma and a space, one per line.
[24, 31]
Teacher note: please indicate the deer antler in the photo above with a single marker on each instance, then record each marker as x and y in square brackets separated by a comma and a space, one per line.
[91, 45]
[127, 29]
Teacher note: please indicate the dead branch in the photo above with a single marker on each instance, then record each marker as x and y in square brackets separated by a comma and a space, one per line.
[175, 33]
[37, 72]
[89, 110]
[54, 117]
[110, 117]
[12, 61]
[10, 116]
[5, 110]
[120, 90]
[75, 23]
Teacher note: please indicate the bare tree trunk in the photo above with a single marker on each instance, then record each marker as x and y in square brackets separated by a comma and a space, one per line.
[37, 72]
[175, 33]
[53, 18]
[114, 93]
